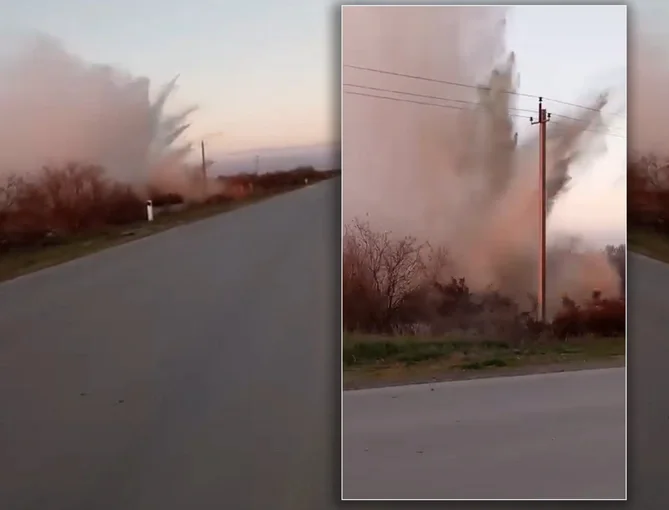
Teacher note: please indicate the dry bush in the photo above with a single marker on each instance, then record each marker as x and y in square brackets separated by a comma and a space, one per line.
[278, 181]
[648, 192]
[379, 274]
[10, 191]
[361, 305]
[453, 308]
[601, 317]
[392, 285]
[288, 179]
[120, 206]
[395, 286]
[617, 258]
[64, 201]
[221, 198]
[160, 199]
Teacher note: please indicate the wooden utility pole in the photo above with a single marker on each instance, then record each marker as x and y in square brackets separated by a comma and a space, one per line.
[204, 171]
[543, 119]
[204, 162]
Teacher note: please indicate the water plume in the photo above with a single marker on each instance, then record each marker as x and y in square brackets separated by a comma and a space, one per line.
[57, 108]
[459, 178]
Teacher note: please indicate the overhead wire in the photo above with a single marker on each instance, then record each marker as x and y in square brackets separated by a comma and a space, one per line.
[464, 85]
[452, 107]
[458, 84]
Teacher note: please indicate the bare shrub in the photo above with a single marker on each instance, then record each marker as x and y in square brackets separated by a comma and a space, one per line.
[9, 193]
[64, 201]
[648, 192]
[120, 206]
[160, 199]
[219, 198]
[605, 317]
[379, 273]
[601, 317]
[270, 182]
[617, 257]
[398, 287]
[453, 307]
[568, 321]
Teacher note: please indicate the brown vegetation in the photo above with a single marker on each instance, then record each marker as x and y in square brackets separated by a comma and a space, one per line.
[60, 202]
[648, 206]
[617, 255]
[648, 193]
[392, 286]
[274, 181]
[56, 204]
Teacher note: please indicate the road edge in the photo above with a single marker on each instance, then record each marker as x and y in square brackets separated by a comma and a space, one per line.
[572, 366]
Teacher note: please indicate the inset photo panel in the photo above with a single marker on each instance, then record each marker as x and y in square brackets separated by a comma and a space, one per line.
[484, 252]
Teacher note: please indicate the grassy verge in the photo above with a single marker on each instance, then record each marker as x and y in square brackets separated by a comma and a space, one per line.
[20, 262]
[649, 243]
[384, 360]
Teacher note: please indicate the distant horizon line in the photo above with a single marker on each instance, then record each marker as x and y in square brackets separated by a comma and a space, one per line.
[276, 149]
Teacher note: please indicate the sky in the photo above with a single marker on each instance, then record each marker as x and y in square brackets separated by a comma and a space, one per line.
[651, 16]
[570, 68]
[263, 73]
[571, 54]
[260, 71]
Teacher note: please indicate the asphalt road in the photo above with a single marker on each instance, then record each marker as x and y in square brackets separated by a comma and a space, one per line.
[648, 334]
[548, 436]
[191, 369]
[219, 338]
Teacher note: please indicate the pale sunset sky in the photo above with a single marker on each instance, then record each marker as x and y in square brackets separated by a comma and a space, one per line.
[570, 65]
[265, 74]
[261, 72]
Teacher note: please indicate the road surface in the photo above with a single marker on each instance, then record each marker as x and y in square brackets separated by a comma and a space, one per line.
[219, 339]
[648, 333]
[191, 369]
[552, 436]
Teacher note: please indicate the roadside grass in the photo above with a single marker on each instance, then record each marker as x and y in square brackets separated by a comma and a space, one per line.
[18, 262]
[648, 242]
[372, 360]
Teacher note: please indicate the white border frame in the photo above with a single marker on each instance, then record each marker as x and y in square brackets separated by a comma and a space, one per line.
[341, 250]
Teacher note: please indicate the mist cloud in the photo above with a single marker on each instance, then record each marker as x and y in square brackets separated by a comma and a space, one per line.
[459, 179]
[57, 108]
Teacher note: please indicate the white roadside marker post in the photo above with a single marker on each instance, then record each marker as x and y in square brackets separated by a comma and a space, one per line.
[149, 210]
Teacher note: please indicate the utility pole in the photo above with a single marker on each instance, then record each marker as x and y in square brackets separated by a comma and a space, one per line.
[204, 162]
[204, 171]
[543, 119]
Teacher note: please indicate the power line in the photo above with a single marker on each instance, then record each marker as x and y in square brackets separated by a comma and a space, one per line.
[433, 80]
[457, 84]
[404, 100]
[379, 89]
[441, 98]
[583, 120]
